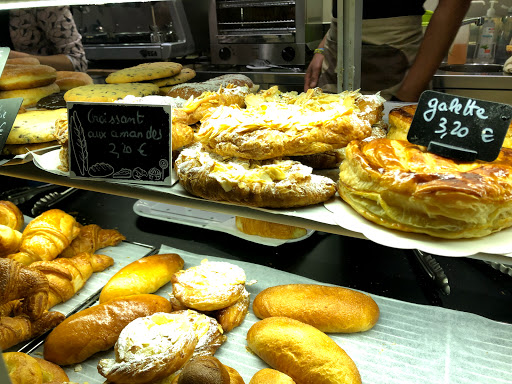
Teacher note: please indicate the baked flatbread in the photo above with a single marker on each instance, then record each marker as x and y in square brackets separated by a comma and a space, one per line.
[109, 92]
[34, 127]
[185, 75]
[144, 72]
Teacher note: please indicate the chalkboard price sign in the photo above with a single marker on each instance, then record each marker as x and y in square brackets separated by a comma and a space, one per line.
[8, 111]
[121, 142]
[458, 127]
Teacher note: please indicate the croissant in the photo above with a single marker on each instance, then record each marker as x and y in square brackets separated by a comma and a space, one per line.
[20, 282]
[91, 238]
[10, 240]
[14, 330]
[46, 237]
[66, 276]
[10, 215]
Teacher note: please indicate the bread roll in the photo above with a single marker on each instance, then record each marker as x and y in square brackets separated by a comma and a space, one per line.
[301, 351]
[270, 376]
[67, 80]
[145, 275]
[268, 229]
[97, 328]
[19, 76]
[330, 309]
[204, 370]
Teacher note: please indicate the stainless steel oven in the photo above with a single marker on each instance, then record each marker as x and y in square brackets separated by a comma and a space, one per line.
[275, 30]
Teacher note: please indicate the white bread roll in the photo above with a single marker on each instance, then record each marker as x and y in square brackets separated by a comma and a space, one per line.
[330, 309]
[145, 275]
[302, 352]
[270, 376]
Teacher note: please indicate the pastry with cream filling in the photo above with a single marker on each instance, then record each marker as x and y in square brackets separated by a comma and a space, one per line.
[401, 186]
[272, 183]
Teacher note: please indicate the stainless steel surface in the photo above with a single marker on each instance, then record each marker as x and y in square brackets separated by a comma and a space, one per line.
[472, 68]
[134, 31]
[274, 30]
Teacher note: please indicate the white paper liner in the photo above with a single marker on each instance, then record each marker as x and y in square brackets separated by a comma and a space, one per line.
[204, 219]
[347, 217]
[411, 343]
[337, 212]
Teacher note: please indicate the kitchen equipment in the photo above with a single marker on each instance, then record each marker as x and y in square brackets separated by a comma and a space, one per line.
[21, 195]
[274, 30]
[134, 31]
[260, 64]
[48, 201]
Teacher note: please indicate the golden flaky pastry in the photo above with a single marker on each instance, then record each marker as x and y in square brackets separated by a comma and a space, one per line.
[400, 120]
[270, 183]
[401, 186]
[275, 129]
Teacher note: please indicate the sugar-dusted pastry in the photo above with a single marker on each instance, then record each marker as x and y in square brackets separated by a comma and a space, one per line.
[401, 186]
[271, 183]
[150, 348]
[209, 286]
[275, 129]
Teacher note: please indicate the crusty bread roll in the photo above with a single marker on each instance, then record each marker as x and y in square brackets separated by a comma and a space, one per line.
[22, 368]
[30, 60]
[330, 309]
[271, 376]
[268, 229]
[145, 275]
[67, 80]
[15, 77]
[301, 351]
[31, 95]
[97, 328]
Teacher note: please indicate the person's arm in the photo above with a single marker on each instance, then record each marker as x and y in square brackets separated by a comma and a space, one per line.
[441, 31]
[314, 68]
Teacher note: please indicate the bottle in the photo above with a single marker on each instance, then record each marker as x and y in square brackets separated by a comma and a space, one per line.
[486, 42]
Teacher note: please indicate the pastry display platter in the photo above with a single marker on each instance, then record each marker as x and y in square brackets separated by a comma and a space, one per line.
[339, 218]
[410, 343]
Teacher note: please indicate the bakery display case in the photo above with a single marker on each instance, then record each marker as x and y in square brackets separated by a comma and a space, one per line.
[430, 305]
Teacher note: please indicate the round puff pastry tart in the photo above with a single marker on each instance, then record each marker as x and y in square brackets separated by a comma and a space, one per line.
[271, 183]
[209, 286]
[150, 348]
[401, 186]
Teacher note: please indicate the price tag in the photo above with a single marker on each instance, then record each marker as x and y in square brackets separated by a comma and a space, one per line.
[121, 142]
[458, 127]
[8, 111]
[4, 55]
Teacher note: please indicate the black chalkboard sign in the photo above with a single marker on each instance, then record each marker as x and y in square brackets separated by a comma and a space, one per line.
[8, 110]
[121, 142]
[459, 127]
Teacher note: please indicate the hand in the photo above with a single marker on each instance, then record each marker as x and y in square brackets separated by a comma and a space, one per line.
[313, 72]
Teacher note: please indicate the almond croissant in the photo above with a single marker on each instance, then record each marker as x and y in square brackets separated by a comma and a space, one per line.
[10, 215]
[91, 238]
[46, 237]
[20, 282]
[66, 276]
[14, 330]
[10, 240]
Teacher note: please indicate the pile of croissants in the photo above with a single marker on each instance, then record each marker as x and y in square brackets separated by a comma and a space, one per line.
[43, 265]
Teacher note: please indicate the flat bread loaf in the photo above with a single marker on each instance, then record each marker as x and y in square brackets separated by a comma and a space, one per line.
[144, 72]
[109, 92]
[22, 76]
[31, 95]
[36, 126]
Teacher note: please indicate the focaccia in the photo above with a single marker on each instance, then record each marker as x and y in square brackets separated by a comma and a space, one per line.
[272, 183]
[400, 185]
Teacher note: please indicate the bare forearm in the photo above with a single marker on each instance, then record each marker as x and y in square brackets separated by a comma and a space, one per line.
[443, 27]
[59, 62]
